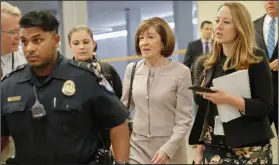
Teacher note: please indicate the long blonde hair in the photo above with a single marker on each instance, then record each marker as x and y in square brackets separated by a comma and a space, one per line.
[244, 43]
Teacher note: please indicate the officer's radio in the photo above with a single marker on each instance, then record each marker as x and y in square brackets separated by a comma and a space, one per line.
[38, 110]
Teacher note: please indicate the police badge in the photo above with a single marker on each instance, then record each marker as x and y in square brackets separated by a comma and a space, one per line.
[69, 88]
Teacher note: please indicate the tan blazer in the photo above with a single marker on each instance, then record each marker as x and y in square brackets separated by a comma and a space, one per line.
[168, 113]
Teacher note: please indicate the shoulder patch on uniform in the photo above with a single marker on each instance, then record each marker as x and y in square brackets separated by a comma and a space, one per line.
[83, 65]
[92, 68]
[18, 68]
[88, 67]
[105, 84]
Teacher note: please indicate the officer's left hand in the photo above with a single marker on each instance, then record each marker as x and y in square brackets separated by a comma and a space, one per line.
[160, 158]
[219, 97]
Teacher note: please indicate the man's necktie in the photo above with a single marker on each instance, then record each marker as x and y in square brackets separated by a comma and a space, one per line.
[271, 38]
[206, 48]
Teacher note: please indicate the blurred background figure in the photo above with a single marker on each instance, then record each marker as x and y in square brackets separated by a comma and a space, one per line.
[10, 29]
[267, 39]
[197, 48]
[10, 58]
[201, 46]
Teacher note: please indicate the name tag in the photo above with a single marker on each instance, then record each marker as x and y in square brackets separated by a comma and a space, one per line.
[15, 98]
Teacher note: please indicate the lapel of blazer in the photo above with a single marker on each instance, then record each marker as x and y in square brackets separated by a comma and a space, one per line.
[260, 32]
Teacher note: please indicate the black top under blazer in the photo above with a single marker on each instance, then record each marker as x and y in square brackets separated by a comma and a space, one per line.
[253, 127]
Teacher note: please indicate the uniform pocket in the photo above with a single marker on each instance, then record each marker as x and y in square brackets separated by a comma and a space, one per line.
[13, 107]
[16, 117]
[68, 116]
[68, 106]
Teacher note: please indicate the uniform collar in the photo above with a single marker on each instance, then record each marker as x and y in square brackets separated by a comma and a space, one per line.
[58, 73]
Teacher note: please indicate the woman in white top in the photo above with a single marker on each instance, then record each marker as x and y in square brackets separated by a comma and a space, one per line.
[160, 96]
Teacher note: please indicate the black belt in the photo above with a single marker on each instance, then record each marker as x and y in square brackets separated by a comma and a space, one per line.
[222, 146]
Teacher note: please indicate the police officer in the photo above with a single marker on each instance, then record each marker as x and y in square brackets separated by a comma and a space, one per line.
[53, 107]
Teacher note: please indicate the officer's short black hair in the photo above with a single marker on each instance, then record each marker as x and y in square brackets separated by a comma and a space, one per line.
[205, 22]
[41, 19]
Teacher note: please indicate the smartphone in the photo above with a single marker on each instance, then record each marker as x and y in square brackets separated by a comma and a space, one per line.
[201, 89]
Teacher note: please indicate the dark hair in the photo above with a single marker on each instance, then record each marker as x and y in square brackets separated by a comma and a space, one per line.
[95, 48]
[163, 29]
[41, 19]
[205, 22]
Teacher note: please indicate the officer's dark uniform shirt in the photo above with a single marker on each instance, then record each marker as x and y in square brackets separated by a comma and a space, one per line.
[68, 132]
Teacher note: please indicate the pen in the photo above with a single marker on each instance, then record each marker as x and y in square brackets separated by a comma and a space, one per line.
[54, 102]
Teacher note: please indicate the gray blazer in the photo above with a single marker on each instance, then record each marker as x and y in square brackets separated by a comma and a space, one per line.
[169, 110]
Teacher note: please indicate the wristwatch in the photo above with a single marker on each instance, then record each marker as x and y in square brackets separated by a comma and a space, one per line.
[121, 162]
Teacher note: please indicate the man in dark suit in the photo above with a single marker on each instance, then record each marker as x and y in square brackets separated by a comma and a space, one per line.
[267, 39]
[200, 46]
[197, 48]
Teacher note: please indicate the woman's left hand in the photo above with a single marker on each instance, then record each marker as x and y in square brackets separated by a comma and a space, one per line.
[160, 158]
[219, 97]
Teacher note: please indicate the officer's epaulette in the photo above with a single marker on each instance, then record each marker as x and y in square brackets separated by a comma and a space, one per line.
[85, 66]
[92, 68]
[18, 68]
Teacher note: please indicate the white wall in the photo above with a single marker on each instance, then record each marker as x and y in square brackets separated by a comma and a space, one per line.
[207, 9]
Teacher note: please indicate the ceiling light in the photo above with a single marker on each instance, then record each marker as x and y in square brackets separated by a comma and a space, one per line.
[115, 34]
[110, 35]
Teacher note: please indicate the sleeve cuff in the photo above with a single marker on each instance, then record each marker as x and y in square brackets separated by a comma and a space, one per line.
[168, 149]
[245, 107]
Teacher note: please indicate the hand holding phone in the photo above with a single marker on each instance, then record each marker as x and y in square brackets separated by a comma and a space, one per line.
[201, 89]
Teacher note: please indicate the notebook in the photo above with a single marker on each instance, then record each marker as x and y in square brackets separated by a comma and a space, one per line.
[237, 84]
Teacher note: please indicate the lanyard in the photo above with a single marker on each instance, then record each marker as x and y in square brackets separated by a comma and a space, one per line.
[13, 61]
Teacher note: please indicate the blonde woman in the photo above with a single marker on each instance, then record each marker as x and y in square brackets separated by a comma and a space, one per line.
[160, 96]
[246, 140]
